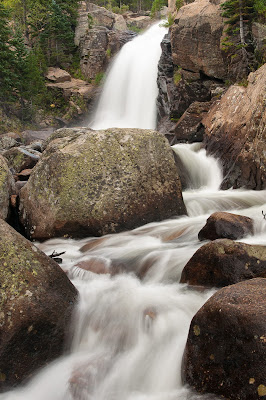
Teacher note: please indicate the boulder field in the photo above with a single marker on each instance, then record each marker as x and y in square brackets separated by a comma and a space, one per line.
[36, 304]
[99, 182]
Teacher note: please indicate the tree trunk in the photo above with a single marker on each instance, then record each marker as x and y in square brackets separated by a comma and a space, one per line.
[241, 23]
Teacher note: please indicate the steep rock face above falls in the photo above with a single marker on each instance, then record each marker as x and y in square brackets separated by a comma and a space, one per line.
[99, 35]
[195, 39]
[99, 182]
[236, 133]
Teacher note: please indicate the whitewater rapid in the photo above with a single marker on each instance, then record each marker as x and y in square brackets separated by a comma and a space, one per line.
[129, 334]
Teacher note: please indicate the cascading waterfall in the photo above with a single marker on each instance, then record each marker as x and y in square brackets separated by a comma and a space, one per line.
[129, 94]
[130, 333]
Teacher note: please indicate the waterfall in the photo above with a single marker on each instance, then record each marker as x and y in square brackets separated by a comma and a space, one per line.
[130, 334]
[128, 99]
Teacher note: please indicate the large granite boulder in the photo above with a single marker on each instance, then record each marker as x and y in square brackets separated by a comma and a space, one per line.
[235, 132]
[195, 39]
[7, 188]
[99, 182]
[224, 225]
[224, 262]
[226, 346]
[36, 302]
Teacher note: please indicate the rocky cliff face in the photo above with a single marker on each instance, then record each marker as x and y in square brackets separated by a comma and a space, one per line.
[194, 66]
[99, 35]
[235, 131]
[195, 39]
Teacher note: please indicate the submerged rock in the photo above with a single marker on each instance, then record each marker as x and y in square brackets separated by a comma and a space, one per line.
[235, 132]
[224, 262]
[7, 188]
[224, 225]
[36, 302]
[99, 182]
[226, 346]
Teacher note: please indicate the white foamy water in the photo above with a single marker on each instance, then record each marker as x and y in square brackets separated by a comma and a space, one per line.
[130, 333]
[129, 94]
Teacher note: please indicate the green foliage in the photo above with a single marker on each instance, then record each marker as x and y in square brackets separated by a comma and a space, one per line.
[157, 5]
[243, 82]
[177, 76]
[90, 21]
[134, 28]
[260, 9]
[120, 10]
[170, 21]
[98, 78]
[7, 58]
[179, 4]
[108, 52]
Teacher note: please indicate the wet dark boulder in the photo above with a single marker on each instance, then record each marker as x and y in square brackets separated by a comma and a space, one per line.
[226, 346]
[223, 225]
[224, 262]
[36, 303]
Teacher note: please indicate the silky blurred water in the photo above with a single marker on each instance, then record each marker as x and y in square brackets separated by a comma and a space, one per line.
[130, 334]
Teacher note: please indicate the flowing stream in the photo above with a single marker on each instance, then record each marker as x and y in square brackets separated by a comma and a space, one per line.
[129, 334]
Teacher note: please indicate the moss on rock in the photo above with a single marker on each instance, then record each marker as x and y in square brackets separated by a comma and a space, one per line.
[97, 182]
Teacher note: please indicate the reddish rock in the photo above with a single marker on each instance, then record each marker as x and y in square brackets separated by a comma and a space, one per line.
[235, 132]
[223, 225]
[224, 262]
[99, 265]
[92, 244]
[195, 39]
[24, 174]
[189, 128]
[36, 303]
[57, 75]
[226, 346]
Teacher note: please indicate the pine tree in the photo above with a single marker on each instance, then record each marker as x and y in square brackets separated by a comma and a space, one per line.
[8, 78]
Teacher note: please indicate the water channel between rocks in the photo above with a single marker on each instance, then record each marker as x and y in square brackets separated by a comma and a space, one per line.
[129, 334]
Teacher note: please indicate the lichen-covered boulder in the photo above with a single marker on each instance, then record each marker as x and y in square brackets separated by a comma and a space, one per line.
[226, 346]
[36, 302]
[224, 262]
[224, 225]
[7, 188]
[99, 182]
